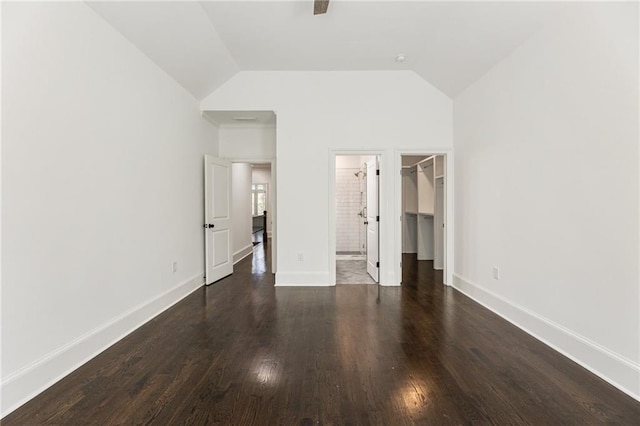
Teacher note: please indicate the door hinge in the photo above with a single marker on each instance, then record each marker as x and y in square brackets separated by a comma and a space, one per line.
[378, 172]
[377, 264]
[377, 218]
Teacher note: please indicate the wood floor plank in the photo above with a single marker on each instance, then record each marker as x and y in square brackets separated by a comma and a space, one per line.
[242, 352]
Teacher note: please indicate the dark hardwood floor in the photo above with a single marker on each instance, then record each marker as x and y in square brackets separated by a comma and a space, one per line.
[242, 352]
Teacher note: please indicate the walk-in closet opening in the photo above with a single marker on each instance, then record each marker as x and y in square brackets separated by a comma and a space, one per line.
[423, 210]
[357, 219]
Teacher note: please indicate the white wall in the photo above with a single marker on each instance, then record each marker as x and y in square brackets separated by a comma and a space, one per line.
[547, 190]
[248, 143]
[241, 208]
[352, 161]
[262, 174]
[322, 111]
[102, 179]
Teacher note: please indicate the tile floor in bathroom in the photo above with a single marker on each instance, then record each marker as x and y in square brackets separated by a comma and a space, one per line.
[352, 272]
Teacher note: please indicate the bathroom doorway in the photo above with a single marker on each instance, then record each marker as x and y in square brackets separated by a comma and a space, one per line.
[357, 219]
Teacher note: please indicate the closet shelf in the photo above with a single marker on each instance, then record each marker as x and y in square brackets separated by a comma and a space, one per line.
[411, 213]
[425, 214]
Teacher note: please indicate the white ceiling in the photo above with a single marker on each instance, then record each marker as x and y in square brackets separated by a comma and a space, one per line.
[450, 44]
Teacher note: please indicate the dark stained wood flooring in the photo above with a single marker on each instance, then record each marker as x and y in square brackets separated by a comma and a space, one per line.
[242, 352]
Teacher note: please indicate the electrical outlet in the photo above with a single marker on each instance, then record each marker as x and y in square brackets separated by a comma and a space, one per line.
[174, 266]
[496, 273]
[300, 257]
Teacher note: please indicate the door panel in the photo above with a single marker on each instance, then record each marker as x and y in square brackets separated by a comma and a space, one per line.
[217, 196]
[220, 183]
[372, 219]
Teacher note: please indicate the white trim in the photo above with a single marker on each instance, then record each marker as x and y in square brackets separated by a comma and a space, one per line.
[449, 233]
[302, 279]
[247, 125]
[242, 253]
[616, 369]
[210, 119]
[351, 257]
[27, 382]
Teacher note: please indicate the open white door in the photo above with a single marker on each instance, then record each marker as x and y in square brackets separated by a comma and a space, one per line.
[217, 216]
[372, 219]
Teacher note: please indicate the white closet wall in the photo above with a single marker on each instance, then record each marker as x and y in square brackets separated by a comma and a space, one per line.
[410, 209]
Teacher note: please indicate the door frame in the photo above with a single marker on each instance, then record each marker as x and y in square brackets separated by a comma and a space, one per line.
[449, 230]
[382, 240]
[374, 180]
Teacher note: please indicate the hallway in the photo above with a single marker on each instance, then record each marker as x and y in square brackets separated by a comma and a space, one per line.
[244, 352]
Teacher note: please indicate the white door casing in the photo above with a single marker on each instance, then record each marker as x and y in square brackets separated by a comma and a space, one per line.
[217, 214]
[372, 219]
[438, 225]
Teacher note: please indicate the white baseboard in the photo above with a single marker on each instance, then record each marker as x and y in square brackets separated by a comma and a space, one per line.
[24, 384]
[242, 253]
[316, 279]
[616, 369]
[391, 280]
[302, 279]
[351, 257]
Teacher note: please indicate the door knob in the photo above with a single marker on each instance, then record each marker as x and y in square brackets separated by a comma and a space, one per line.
[209, 225]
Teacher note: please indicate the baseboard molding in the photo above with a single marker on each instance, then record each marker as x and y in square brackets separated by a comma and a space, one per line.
[351, 257]
[24, 384]
[302, 279]
[242, 253]
[391, 280]
[616, 369]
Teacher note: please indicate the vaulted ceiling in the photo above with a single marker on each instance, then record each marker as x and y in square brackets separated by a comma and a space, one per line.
[450, 44]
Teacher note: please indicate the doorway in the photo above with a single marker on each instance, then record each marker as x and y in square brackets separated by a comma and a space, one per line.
[261, 199]
[356, 219]
[423, 208]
